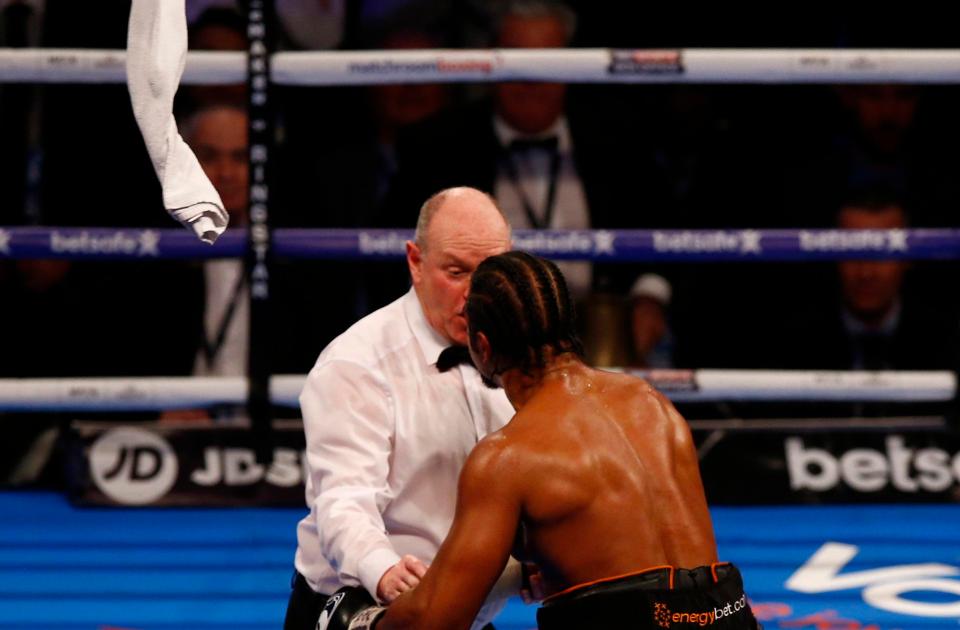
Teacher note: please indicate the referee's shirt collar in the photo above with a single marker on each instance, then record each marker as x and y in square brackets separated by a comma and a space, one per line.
[431, 342]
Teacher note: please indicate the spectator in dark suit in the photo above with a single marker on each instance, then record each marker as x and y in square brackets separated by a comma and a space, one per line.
[899, 134]
[335, 170]
[215, 306]
[336, 173]
[218, 136]
[876, 322]
[547, 166]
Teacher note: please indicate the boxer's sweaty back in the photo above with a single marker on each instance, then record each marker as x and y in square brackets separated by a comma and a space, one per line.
[609, 479]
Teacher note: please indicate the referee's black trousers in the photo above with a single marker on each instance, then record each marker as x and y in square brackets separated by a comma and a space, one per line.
[304, 606]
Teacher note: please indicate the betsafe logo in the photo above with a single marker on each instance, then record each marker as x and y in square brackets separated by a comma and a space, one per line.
[665, 618]
[905, 469]
[133, 466]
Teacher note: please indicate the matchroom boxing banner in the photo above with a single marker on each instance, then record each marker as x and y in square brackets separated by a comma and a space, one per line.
[151, 464]
[831, 467]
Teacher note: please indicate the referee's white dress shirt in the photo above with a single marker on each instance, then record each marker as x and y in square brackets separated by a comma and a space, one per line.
[387, 435]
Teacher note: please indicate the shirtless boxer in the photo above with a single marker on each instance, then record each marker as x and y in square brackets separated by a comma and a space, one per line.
[595, 479]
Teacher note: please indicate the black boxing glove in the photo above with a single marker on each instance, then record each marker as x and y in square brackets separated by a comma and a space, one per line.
[350, 608]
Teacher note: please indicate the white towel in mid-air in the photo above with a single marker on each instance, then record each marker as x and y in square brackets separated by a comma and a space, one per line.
[156, 54]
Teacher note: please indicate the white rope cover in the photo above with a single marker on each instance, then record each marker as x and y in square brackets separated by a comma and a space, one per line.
[826, 385]
[575, 65]
[55, 65]
[602, 65]
[154, 394]
[137, 394]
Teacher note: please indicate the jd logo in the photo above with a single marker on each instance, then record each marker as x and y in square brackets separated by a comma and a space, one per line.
[133, 466]
[887, 588]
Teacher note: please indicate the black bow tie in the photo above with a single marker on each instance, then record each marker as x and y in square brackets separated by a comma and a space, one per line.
[452, 357]
[523, 145]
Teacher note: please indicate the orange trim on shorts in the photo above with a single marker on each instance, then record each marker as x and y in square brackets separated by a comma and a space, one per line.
[713, 570]
[615, 577]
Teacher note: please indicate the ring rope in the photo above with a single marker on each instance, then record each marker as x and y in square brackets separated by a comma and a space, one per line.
[598, 245]
[569, 65]
[822, 425]
[574, 65]
[61, 65]
[705, 385]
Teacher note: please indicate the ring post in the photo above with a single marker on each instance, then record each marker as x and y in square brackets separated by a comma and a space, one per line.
[260, 39]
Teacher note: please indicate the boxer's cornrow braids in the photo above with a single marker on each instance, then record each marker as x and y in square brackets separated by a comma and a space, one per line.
[495, 307]
[551, 304]
[566, 313]
[522, 304]
[549, 299]
[531, 312]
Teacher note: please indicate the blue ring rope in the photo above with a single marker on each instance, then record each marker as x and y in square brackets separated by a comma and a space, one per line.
[744, 245]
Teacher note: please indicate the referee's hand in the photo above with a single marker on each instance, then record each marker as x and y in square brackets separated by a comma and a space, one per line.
[400, 578]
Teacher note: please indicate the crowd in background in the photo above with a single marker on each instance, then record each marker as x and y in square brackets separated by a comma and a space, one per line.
[557, 156]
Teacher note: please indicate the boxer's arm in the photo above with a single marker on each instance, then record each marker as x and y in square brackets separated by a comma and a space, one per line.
[348, 424]
[475, 551]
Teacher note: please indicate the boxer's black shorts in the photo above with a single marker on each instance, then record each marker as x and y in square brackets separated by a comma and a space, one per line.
[708, 597]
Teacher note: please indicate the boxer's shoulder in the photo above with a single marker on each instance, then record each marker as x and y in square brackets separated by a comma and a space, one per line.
[491, 452]
[496, 459]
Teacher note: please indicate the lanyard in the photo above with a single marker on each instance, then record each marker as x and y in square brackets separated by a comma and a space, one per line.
[510, 168]
[210, 350]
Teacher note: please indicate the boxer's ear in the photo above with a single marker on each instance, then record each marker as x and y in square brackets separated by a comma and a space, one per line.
[484, 351]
